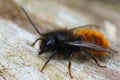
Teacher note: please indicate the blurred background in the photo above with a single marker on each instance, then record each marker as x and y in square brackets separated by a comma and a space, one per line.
[50, 15]
[19, 58]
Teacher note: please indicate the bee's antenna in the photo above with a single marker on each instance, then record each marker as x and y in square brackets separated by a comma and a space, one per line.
[31, 21]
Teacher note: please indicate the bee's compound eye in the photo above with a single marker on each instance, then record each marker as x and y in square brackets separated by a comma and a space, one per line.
[49, 42]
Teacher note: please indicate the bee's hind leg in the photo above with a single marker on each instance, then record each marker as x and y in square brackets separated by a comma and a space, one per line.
[97, 62]
[87, 52]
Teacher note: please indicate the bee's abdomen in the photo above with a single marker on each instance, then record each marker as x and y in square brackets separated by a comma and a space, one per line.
[94, 37]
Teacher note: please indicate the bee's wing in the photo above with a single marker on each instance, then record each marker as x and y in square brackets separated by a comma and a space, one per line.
[88, 45]
[88, 26]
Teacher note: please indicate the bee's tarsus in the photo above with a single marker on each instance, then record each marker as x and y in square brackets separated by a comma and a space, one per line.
[97, 62]
[69, 65]
[52, 55]
[36, 41]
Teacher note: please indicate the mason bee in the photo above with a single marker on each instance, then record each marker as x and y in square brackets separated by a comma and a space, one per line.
[70, 42]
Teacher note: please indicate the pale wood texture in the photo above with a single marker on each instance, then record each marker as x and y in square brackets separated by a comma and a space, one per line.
[20, 61]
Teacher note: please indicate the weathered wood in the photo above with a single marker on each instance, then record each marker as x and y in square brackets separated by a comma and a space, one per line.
[20, 61]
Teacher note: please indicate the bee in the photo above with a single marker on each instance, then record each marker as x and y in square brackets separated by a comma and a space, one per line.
[70, 42]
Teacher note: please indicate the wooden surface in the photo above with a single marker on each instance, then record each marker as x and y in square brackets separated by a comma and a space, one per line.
[20, 61]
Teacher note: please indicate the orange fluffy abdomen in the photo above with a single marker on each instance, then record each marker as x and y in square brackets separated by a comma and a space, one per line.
[94, 37]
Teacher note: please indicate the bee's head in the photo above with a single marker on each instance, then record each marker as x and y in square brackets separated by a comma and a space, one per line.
[48, 42]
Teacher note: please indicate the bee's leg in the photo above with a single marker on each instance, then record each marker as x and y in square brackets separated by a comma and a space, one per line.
[97, 62]
[41, 52]
[112, 50]
[87, 52]
[53, 54]
[69, 65]
[36, 41]
[67, 56]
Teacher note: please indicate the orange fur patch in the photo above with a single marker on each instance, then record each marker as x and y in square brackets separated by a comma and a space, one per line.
[92, 36]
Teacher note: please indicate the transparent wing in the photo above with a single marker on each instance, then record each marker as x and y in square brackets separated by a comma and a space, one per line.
[88, 26]
[88, 45]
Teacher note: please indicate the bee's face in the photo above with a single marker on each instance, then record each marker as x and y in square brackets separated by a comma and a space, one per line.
[48, 43]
